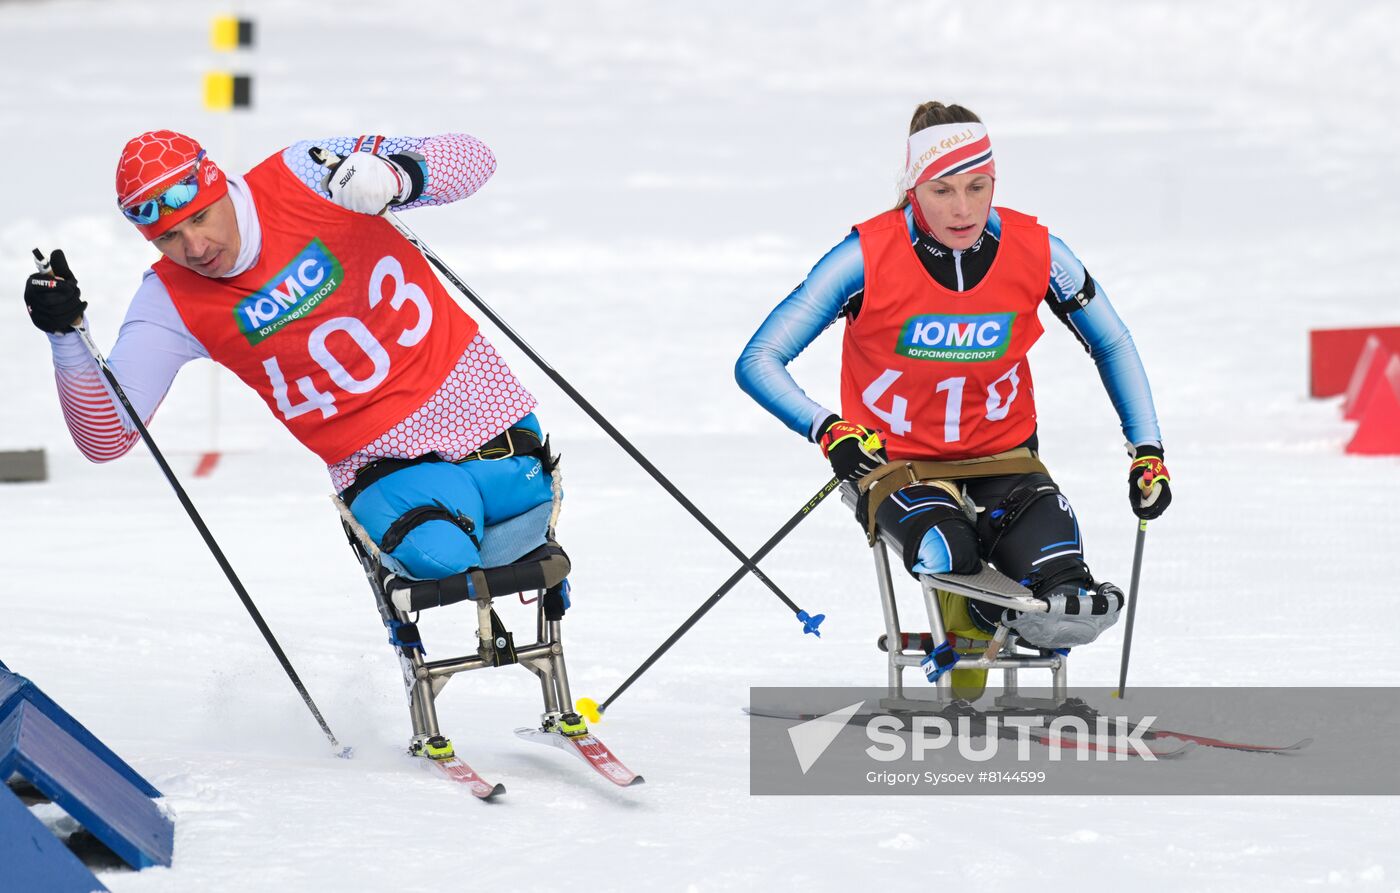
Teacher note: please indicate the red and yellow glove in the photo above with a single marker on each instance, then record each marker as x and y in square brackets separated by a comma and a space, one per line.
[853, 450]
[1149, 484]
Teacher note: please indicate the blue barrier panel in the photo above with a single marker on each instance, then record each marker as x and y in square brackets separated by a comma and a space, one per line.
[85, 786]
[31, 858]
[15, 688]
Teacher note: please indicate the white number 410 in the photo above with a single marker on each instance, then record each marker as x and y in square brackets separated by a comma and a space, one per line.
[897, 416]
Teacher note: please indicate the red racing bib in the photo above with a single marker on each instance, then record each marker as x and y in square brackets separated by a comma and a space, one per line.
[943, 374]
[341, 326]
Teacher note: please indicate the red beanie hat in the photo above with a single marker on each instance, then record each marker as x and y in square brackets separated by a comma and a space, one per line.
[157, 160]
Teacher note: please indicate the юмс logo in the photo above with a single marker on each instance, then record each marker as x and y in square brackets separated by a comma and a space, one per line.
[958, 338]
[302, 285]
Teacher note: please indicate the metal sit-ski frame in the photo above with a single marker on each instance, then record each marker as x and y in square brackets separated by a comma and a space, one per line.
[543, 571]
[1003, 652]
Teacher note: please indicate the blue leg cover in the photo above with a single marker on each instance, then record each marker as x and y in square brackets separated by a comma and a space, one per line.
[482, 492]
[513, 486]
[435, 549]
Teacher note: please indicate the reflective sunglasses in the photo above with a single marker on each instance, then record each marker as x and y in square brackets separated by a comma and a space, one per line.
[174, 198]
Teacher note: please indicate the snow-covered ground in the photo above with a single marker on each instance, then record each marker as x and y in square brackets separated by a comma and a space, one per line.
[1227, 171]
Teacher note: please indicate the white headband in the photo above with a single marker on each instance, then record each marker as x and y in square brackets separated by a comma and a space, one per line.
[947, 149]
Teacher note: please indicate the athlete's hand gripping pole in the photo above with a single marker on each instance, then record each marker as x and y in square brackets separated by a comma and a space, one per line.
[853, 450]
[81, 328]
[593, 711]
[809, 622]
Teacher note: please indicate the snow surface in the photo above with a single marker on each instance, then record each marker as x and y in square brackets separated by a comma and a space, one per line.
[1226, 170]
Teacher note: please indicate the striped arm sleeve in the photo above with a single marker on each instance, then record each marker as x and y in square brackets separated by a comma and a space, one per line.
[94, 421]
[151, 347]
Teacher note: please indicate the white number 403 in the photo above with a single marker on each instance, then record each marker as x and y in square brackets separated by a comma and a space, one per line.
[314, 398]
[897, 416]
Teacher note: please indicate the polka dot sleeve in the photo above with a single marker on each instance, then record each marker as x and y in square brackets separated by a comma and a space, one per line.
[455, 164]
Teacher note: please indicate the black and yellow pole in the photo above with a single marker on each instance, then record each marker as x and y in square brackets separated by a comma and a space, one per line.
[231, 33]
[224, 90]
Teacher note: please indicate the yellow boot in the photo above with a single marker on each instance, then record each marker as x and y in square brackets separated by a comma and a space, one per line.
[968, 640]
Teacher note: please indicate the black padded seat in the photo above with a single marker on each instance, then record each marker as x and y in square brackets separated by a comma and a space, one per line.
[544, 568]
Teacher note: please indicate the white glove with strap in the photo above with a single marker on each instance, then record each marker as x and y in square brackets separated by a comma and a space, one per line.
[368, 183]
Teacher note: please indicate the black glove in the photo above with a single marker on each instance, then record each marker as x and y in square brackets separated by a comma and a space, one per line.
[853, 450]
[1149, 485]
[53, 298]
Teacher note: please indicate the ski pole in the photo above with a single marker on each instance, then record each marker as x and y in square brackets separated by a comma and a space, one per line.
[1132, 605]
[323, 157]
[184, 498]
[600, 420]
[593, 711]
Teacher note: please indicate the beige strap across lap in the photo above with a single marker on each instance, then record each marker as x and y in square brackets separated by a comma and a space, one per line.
[877, 486]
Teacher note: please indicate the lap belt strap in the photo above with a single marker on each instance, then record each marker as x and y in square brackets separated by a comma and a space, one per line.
[511, 442]
[877, 486]
[416, 517]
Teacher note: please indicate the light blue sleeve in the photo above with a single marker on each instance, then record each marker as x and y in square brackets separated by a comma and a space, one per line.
[795, 323]
[1106, 338]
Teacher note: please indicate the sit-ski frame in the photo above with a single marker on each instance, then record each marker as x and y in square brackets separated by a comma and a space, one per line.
[425, 679]
[988, 586]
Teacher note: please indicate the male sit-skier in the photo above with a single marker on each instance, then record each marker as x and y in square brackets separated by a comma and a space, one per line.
[289, 277]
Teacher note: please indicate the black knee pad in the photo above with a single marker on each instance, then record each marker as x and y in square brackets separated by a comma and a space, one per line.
[1059, 572]
[914, 510]
[1027, 490]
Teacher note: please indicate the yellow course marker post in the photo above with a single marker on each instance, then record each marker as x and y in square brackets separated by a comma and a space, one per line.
[224, 91]
[218, 91]
[223, 33]
[228, 33]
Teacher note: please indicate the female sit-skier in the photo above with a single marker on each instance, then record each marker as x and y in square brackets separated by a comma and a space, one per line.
[940, 298]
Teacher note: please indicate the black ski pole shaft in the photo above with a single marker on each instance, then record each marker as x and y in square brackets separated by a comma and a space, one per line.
[713, 600]
[324, 157]
[1132, 606]
[199, 522]
[749, 563]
